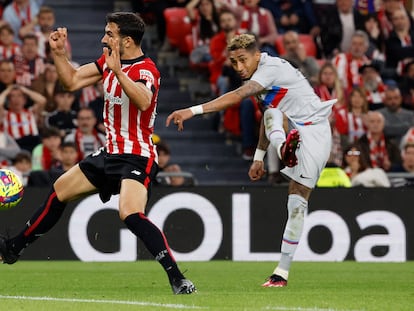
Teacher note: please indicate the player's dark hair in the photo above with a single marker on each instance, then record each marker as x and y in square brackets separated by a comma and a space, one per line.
[129, 24]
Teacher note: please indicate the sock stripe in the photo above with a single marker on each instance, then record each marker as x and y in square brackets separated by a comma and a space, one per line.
[142, 216]
[148, 171]
[34, 225]
[290, 242]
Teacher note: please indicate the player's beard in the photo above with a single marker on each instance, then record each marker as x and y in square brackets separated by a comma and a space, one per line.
[121, 49]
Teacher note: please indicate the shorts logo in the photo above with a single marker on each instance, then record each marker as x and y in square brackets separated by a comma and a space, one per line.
[136, 172]
[304, 177]
[97, 152]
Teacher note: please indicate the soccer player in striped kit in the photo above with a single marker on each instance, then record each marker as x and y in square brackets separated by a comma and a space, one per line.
[282, 90]
[128, 163]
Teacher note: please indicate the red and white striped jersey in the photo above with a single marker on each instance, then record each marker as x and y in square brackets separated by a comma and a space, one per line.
[9, 52]
[128, 129]
[20, 124]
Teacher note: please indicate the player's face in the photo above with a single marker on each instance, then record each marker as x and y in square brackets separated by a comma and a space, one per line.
[244, 62]
[112, 31]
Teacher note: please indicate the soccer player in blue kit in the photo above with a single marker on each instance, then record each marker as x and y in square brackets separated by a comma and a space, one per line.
[282, 91]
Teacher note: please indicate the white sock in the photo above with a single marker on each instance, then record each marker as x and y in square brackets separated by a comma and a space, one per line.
[273, 122]
[293, 230]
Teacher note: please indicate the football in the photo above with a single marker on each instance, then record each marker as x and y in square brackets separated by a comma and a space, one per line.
[11, 189]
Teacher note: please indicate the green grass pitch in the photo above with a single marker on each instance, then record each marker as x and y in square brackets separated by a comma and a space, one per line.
[222, 285]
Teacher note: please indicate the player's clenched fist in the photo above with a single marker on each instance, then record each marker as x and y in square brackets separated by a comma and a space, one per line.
[257, 170]
[57, 40]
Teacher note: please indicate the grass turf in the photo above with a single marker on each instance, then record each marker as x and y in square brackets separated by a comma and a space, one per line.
[222, 285]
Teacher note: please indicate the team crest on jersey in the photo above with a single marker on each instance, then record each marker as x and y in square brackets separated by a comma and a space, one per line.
[146, 75]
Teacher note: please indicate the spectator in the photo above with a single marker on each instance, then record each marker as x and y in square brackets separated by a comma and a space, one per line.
[164, 156]
[386, 10]
[350, 120]
[378, 150]
[398, 120]
[22, 166]
[20, 14]
[348, 63]
[7, 74]
[371, 81]
[404, 176]
[8, 47]
[296, 55]
[376, 49]
[45, 84]
[399, 47]
[239, 120]
[218, 52]
[406, 85]
[20, 121]
[296, 15]
[407, 156]
[204, 17]
[68, 157]
[338, 24]
[64, 117]
[329, 86]
[43, 27]
[259, 21]
[92, 97]
[47, 154]
[86, 137]
[29, 65]
[45, 178]
[359, 171]
[8, 148]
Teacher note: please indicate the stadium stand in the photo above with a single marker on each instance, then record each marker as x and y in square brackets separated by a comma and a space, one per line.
[211, 157]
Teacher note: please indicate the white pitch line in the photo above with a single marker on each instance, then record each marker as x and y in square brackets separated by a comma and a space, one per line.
[302, 309]
[103, 301]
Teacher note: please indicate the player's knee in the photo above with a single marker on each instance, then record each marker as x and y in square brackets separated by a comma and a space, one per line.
[296, 206]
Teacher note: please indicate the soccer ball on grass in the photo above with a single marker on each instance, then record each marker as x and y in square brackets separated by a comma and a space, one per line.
[11, 189]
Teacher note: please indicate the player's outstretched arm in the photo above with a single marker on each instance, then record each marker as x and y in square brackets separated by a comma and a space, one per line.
[218, 104]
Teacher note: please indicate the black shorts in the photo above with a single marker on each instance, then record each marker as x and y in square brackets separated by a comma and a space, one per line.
[106, 171]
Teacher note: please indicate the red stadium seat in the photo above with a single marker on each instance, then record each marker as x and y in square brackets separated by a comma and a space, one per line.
[178, 27]
[305, 39]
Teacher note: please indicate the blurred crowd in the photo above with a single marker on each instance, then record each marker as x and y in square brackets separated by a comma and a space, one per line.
[360, 52]
[44, 129]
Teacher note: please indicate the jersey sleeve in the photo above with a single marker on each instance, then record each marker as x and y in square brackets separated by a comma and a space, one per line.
[100, 62]
[146, 74]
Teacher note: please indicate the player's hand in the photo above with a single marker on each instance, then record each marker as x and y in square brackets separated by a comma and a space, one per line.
[112, 57]
[257, 171]
[57, 40]
[178, 117]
